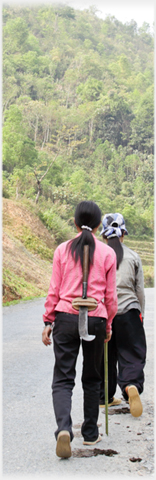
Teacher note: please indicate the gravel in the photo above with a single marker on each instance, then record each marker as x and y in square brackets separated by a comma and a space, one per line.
[28, 419]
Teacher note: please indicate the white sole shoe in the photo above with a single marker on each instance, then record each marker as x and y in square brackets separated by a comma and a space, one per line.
[63, 448]
[114, 403]
[92, 443]
[135, 404]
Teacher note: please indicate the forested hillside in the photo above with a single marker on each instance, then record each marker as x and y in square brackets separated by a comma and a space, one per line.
[78, 115]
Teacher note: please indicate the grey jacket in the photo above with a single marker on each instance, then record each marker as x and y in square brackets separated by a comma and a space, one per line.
[130, 282]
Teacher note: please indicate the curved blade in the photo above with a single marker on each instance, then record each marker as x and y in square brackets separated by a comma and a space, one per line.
[83, 325]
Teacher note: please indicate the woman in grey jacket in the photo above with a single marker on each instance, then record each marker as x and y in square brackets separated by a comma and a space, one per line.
[128, 342]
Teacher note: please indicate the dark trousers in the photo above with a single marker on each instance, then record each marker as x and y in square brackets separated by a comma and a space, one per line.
[66, 342]
[127, 347]
[112, 371]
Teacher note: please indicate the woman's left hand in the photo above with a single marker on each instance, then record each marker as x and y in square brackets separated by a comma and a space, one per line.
[46, 334]
[108, 337]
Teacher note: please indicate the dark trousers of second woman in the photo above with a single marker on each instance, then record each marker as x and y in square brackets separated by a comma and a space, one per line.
[127, 347]
[66, 342]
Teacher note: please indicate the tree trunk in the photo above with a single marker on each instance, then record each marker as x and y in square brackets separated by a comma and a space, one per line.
[36, 129]
[39, 191]
[17, 194]
[90, 131]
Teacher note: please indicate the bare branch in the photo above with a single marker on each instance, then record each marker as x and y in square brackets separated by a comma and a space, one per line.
[45, 173]
[39, 180]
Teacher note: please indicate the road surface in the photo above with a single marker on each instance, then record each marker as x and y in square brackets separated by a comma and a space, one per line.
[28, 419]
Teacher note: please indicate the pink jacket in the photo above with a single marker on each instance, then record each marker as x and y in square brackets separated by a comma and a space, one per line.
[66, 283]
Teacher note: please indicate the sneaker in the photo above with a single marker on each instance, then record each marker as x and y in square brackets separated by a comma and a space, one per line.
[135, 404]
[63, 448]
[86, 442]
[114, 403]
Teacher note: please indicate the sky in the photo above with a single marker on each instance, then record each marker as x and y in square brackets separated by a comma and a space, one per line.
[124, 10]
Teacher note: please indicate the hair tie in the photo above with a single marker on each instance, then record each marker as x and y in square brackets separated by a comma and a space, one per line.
[85, 227]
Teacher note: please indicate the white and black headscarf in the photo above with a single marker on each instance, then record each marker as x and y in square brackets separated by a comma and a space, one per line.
[113, 225]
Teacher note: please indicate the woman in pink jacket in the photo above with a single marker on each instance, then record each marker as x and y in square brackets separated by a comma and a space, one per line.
[62, 319]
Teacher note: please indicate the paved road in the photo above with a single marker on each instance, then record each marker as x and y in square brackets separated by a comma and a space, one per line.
[28, 419]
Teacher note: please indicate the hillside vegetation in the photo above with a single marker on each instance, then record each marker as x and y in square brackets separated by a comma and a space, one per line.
[78, 116]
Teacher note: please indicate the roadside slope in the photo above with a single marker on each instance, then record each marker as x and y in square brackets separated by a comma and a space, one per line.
[27, 253]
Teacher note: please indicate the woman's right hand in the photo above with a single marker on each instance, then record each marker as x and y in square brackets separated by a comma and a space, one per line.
[108, 337]
[46, 334]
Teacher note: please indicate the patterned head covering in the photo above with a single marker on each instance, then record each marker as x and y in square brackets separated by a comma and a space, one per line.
[113, 225]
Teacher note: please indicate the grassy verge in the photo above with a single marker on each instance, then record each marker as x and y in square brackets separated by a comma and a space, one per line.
[26, 299]
[19, 289]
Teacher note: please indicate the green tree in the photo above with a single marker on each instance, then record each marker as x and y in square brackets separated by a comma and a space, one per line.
[142, 137]
[90, 90]
[18, 149]
[63, 90]
[15, 35]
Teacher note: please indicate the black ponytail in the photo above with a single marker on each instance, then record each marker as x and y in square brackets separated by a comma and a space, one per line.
[115, 243]
[87, 214]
